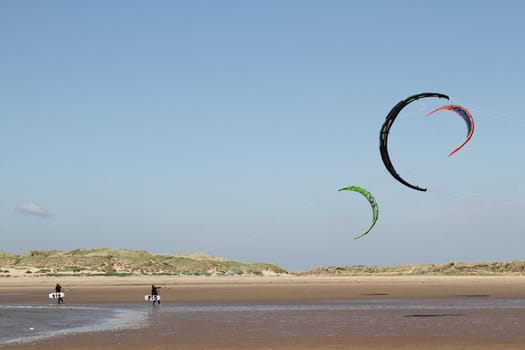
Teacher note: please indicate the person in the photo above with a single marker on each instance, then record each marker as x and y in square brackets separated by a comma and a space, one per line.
[58, 289]
[155, 292]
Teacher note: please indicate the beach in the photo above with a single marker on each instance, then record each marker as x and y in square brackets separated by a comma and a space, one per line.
[284, 312]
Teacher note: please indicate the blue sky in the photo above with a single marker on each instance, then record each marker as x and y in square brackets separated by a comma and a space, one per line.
[227, 127]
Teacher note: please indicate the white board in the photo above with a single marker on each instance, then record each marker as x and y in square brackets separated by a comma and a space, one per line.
[152, 297]
[56, 295]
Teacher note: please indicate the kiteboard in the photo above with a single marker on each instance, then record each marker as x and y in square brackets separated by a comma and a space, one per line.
[56, 295]
[152, 297]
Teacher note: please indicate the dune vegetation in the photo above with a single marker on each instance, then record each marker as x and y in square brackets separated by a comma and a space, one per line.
[451, 268]
[124, 262]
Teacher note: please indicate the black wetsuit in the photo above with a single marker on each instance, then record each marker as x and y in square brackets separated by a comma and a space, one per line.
[155, 291]
[58, 289]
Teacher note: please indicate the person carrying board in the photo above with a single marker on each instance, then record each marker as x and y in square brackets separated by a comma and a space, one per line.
[58, 290]
[155, 294]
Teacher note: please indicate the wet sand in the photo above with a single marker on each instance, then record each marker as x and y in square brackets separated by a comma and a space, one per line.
[405, 327]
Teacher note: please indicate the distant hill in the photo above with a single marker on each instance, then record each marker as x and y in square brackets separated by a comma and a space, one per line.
[85, 262]
[451, 268]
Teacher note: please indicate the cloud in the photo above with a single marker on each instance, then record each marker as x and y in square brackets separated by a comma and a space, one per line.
[34, 209]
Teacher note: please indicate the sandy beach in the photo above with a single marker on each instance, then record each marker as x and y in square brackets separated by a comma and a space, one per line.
[288, 312]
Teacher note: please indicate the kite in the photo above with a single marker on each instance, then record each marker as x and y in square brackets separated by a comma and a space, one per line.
[467, 117]
[385, 129]
[372, 202]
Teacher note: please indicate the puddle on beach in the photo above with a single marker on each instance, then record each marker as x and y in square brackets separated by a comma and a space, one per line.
[30, 323]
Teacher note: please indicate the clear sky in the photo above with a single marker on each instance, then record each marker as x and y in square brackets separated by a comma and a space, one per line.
[227, 127]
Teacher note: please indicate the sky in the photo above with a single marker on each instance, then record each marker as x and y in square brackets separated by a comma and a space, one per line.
[227, 128]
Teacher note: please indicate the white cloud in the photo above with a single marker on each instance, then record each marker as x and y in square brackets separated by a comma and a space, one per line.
[34, 209]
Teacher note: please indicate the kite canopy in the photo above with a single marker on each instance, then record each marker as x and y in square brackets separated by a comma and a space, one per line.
[371, 200]
[385, 129]
[467, 117]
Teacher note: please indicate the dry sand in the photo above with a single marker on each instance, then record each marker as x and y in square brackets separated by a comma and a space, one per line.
[191, 334]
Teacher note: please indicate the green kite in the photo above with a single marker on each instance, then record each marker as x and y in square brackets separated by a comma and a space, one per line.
[372, 202]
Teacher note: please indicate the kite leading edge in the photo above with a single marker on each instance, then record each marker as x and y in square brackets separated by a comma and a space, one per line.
[467, 117]
[373, 204]
[385, 129]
